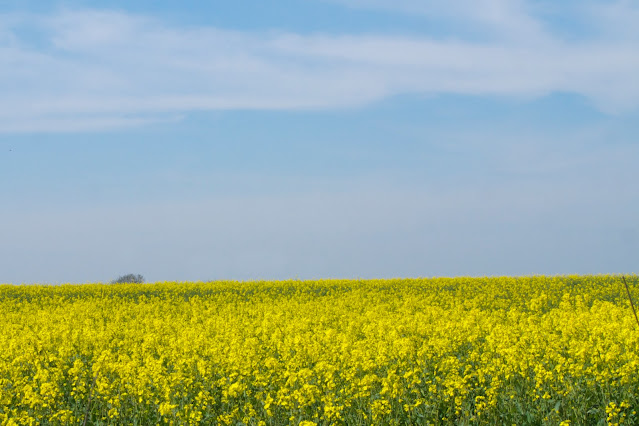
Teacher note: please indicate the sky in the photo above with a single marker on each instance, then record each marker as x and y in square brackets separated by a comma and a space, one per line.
[307, 139]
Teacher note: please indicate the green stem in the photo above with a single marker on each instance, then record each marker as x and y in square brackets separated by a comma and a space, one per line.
[630, 298]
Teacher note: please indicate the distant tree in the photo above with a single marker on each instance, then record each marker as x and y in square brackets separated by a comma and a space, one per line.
[129, 278]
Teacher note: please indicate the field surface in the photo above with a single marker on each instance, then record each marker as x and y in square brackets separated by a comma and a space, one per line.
[530, 350]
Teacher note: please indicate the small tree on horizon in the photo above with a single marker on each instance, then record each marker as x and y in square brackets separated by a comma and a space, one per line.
[129, 279]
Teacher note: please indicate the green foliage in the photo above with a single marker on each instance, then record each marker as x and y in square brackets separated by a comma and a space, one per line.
[129, 279]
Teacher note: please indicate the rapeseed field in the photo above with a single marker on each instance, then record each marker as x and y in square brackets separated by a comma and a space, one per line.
[529, 350]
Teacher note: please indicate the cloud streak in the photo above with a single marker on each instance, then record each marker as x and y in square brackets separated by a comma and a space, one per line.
[510, 19]
[93, 69]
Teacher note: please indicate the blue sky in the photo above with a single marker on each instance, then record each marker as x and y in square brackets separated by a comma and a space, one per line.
[317, 139]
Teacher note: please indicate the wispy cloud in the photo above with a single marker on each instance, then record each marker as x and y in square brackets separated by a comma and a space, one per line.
[498, 18]
[614, 20]
[94, 69]
[520, 20]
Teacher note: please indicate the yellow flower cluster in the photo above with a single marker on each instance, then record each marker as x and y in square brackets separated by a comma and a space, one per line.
[528, 350]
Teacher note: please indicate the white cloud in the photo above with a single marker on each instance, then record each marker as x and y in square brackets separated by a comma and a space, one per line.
[523, 21]
[94, 69]
[501, 18]
[615, 20]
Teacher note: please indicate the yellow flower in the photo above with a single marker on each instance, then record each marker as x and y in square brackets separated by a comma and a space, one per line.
[328, 351]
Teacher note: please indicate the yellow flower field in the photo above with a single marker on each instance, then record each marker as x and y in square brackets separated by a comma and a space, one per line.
[528, 350]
